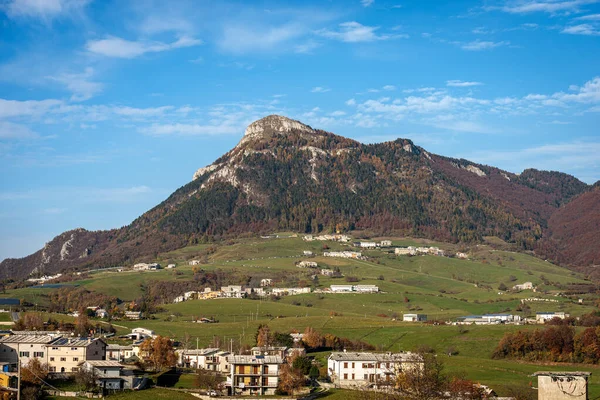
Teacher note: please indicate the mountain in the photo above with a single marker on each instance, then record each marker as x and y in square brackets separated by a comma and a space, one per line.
[286, 175]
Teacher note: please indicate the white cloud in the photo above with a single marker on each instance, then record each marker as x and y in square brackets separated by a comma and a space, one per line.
[319, 89]
[354, 32]
[121, 48]
[459, 83]
[9, 130]
[582, 29]
[240, 39]
[367, 3]
[31, 108]
[590, 17]
[547, 6]
[140, 112]
[479, 45]
[351, 102]
[307, 47]
[42, 9]
[80, 84]
[389, 87]
[191, 129]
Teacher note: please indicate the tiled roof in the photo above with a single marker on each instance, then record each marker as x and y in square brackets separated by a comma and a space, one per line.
[374, 357]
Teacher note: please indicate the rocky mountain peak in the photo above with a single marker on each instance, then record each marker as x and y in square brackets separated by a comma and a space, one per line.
[274, 124]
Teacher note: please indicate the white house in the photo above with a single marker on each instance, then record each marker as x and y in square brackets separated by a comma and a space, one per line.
[171, 266]
[308, 253]
[119, 353]
[341, 288]
[523, 286]
[199, 358]
[366, 288]
[343, 254]
[194, 262]
[385, 243]
[108, 373]
[24, 347]
[353, 369]
[307, 264]
[133, 314]
[146, 267]
[234, 291]
[367, 245]
[101, 313]
[405, 251]
[414, 317]
[266, 282]
[542, 317]
[143, 332]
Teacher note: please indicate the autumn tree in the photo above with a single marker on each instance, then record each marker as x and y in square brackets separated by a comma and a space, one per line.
[206, 380]
[82, 323]
[263, 336]
[86, 379]
[34, 372]
[423, 379]
[290, 379]
[312, 338]
[460, 388]
[159, 352]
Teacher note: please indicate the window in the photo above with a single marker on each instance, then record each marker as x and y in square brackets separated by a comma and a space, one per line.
[364, 365]
[352, 365]
[352, 376]
[345, 365]
[75, 358]
[63, 359]
[51, 358]
[55, 348]
[23, 354]
[38, 354]
[74, 348]
[346, 376]
[366, 376]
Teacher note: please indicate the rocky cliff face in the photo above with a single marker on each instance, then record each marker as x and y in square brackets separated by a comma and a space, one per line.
[284, 174]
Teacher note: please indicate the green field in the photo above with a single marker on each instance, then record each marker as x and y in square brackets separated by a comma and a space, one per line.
[443, 288]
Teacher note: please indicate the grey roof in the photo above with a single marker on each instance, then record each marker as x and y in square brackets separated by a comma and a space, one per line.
[374, 357]
[201, 352]
[27, 339]
[103, 363]
[269, 348]
[118, 347]
[255, 360]
[73, 342]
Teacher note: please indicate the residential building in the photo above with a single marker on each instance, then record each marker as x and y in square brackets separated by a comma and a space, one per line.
[266, 282]
[385, 243]
[341, 288]
[101, 313]
[143, 332]
[199, 358]
[307, 264]
[234, 291]
[327, 272]
[20, 347]
[352, 369]
[563, 385]
[308, 253]
[194, 262]
[66, 354]
[108, 373]
[171, 266]
[253, 375]
[366, 288]
[523, 286]
[280, 351]
[414, 317]
[119, 353]
[542, 317]
[289, 291]
[367, 245]
[146, 267]
[488, 319]
[462, 256]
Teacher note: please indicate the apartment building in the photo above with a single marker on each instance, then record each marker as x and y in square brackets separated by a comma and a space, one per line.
[24, 347]
[253, 375]
[65, 354]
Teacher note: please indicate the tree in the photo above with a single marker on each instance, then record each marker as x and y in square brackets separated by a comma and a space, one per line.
[159, 352]
[263, 336]
[82, 323]
[422, 380]
[502, 286]
[86, 379]
[205, 380]
[312, 338]
[302, 363]
[465, 389]
[35, 372]
[290, 379]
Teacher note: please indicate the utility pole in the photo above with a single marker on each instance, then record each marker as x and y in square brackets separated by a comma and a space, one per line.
[18, 377]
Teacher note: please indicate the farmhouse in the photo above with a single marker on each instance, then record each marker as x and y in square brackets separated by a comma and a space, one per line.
[354, 288]
[488, 319]
[253, 375]
[146, 267]
[234, 291]
[133, 315]
[327, 272]
[405, 251]
[307, 264]
[367, 245]
[523, 286]
[308, 253]
[23, 347]
[266, 282]
[385, 243]
[351, 369]
[414, 317]
[341, 288]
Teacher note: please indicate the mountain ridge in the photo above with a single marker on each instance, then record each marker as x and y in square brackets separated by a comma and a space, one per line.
[284, 174]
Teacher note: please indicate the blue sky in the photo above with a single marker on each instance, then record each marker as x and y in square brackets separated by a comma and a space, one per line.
[106, 107]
